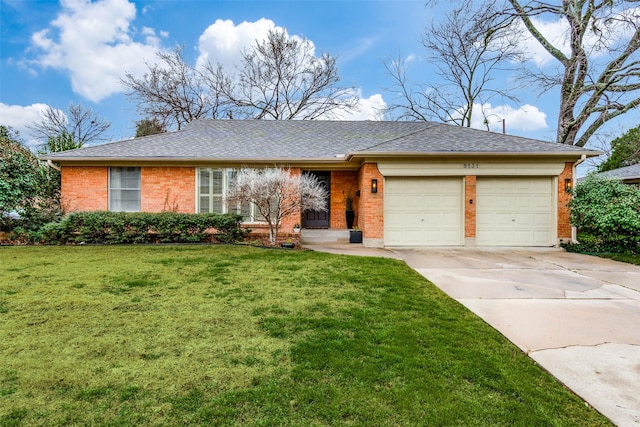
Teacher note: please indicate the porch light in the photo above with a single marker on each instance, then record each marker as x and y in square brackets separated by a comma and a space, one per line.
[568, 185]
[374, 185]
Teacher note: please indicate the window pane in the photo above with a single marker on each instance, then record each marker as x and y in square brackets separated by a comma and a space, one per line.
[205, 178]
[204, 204]
[125, 178]
[217, 204]
[124, 189]
[129, 200]
[217, 182]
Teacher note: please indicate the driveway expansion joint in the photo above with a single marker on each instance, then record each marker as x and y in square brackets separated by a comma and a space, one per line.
[568, 346]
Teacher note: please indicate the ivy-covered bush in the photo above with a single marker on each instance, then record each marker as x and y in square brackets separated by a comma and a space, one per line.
[18, 173]
[608, 211]
[29, 189]
[139, 227]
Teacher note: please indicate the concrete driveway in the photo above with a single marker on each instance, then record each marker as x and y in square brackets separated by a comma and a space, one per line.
[577, 316]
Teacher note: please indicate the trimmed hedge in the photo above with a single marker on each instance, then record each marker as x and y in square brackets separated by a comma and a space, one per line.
[140, 227]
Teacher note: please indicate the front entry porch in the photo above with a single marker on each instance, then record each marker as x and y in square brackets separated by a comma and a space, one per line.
[309, 236]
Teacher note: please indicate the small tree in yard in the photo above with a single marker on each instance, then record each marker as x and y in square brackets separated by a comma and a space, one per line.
[276, 194]
[608, 210]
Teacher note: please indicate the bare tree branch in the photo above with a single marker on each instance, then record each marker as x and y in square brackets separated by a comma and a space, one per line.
[591, 92]
[280, 78]
[173, 92]
[80, 123]
[466, 47]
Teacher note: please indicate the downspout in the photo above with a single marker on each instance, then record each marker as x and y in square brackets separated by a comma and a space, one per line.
[52, 165]
[574, 230]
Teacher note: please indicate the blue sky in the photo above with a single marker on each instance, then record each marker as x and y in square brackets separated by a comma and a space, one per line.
[54, 52]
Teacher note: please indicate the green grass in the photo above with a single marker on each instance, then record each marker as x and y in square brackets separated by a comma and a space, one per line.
[225, 335]
[628, 258]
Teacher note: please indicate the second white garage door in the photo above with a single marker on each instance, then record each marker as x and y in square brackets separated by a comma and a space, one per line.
[515, 211]
[421, 211]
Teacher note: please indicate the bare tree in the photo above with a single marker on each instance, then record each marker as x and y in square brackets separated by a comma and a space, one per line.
[467, 46]
[172, 91]
[281, 78]
[276, 194]
[80, 123]
[599, 73]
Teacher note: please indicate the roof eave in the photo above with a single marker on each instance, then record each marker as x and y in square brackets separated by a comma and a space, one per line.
[339, 162]
[386, 154]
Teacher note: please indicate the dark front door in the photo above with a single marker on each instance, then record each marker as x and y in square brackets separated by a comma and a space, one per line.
[318, 219]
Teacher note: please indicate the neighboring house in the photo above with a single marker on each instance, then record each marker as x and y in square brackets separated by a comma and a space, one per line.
[627, 174]
[413, 183]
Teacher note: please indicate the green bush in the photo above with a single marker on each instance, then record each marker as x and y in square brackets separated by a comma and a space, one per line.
[139, 227]
[609, 211]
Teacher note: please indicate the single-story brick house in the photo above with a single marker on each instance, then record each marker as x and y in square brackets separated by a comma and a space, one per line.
[627, 174]
[413, 183]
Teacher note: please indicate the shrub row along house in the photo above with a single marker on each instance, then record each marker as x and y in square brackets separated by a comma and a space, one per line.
[411, 183]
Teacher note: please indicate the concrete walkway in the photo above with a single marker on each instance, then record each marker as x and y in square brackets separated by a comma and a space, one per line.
[576, 315]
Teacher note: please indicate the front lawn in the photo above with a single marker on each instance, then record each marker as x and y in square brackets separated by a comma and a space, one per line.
[228, 335]
[628, 258]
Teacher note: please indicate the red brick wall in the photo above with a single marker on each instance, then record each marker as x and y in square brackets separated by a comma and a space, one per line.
[470, 206]
[168, 189]
[564, 224]
[342, 183]
[85, 188]
[371, 206]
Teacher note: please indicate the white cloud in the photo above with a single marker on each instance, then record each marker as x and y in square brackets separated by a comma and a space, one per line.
[527, 118]
[151, 38]
[18, 117]
[372, 108]
[93, 42]
[557, 32]
[223, 42]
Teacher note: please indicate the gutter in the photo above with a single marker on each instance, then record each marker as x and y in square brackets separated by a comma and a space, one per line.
[397, 155]
[574, 230]
[52, 165]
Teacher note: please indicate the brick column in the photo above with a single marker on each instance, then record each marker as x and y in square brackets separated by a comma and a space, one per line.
[564, 223]
[371, 206]
[470, 210]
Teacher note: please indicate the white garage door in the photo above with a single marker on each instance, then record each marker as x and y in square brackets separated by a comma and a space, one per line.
[514, 211]
[422, 211]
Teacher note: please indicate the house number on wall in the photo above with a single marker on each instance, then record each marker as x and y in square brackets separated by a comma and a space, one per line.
[471, 165]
